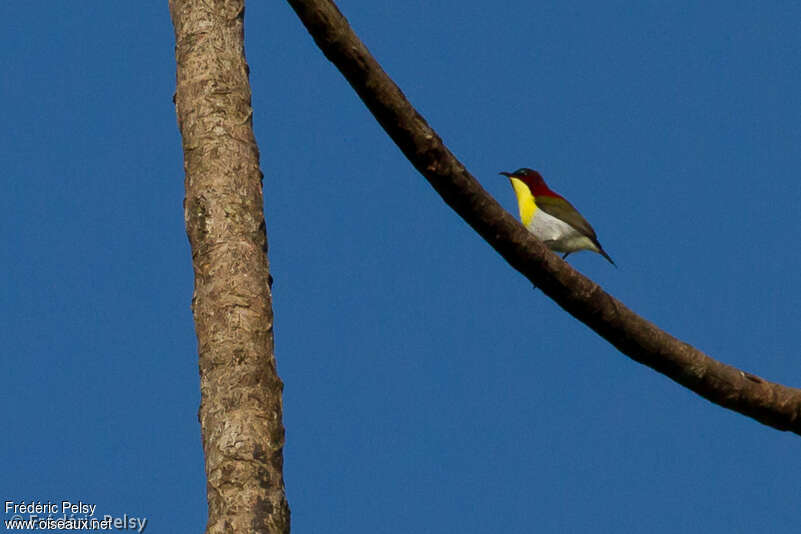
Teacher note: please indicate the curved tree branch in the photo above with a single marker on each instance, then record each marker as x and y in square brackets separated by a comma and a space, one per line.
[769, 403]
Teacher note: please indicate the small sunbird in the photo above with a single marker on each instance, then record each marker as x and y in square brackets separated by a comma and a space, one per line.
[550, 217]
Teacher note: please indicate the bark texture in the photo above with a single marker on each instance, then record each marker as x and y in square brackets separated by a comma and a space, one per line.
[769, 403]
[241, 407]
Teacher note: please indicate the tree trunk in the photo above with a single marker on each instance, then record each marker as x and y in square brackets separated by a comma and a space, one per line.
[241, 407]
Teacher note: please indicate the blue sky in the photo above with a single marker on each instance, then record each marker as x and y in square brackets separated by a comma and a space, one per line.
[428, 387]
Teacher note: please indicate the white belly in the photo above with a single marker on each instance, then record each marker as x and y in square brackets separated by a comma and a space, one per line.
[558, 235]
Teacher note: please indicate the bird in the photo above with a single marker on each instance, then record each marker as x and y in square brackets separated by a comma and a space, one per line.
[550, 217]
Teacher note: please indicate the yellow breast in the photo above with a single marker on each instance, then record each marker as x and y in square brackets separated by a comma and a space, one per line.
[525, 201]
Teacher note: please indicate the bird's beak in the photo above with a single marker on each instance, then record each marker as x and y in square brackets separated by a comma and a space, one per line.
[507, 174]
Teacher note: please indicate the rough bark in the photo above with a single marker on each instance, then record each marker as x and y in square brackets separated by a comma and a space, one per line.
[241, 407]
[769, 403]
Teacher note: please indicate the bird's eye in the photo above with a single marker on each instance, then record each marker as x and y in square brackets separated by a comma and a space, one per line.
[521, 172]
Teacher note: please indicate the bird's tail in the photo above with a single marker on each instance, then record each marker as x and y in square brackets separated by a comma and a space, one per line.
[605, 255]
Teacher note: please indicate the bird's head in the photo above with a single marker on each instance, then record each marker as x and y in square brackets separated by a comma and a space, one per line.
[530, 178]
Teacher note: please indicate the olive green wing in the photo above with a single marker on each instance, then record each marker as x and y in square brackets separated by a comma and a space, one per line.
[564, 210]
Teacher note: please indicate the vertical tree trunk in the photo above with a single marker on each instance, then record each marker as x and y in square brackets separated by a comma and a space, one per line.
[241, 408]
